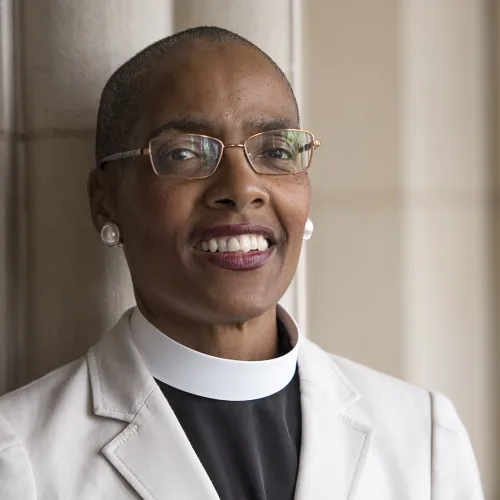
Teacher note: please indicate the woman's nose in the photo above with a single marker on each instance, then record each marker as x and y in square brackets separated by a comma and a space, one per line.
[235, 185]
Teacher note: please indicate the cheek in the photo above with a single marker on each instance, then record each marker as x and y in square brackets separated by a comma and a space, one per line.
[156, 209]
[293, 196]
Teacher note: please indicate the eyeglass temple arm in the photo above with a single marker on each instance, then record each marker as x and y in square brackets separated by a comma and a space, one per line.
[311, 145]
[126, 155]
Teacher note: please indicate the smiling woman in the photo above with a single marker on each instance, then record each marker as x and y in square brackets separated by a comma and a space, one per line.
[206, 389]
[164, 204]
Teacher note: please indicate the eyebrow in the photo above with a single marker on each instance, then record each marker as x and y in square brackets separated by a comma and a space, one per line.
[264, 124]
[205, 127]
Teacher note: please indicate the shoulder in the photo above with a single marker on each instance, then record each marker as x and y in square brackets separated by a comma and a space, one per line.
[389, 400]
[376, 386]
[31, 419]
[370, 384]
[386, 394]
[412, 425]
[64, 389]
[40, 388]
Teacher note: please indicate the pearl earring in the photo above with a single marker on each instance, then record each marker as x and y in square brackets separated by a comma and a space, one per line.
[309, 229]
[110, 235]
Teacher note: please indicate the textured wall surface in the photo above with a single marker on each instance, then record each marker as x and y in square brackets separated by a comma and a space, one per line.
[8, 213]
[351, 91]
[70, 288]
[401, 267]
[447, 170]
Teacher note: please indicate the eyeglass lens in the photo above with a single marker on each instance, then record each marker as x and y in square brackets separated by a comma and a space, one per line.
[189, 156]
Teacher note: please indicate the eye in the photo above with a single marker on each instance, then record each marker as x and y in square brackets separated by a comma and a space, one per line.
[180, 154]
[278, 154]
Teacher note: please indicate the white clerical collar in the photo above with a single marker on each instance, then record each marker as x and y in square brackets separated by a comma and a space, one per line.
[211, 377]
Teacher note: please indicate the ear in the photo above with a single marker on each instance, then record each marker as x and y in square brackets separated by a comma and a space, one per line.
[101, 190]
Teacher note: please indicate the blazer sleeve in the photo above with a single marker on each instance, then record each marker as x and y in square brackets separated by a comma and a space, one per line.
[16, 475]
[455, 473]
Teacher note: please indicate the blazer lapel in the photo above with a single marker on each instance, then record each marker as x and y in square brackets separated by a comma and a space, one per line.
[152, 453]
[154, 456]
[336, 431]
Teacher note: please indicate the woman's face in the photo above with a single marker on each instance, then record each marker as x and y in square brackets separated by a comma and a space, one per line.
[229, 92]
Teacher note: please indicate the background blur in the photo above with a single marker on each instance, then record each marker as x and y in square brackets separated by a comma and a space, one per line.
[402, 271]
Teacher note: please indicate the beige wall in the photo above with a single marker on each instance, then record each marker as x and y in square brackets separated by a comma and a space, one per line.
[495, 181]
[401, 263]
[351, 90]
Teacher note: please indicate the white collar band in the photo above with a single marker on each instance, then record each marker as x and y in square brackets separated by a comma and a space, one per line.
[209, 376]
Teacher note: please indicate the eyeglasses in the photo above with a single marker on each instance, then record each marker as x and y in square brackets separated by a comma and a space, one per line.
[194, 156]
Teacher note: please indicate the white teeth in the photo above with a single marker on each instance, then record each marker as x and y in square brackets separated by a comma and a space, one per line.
[222, 245]
[262, 243]
[212, 245]
[245, 243]
[231, 244]
[254, 245]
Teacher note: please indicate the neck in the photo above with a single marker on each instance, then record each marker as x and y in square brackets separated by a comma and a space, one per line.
[255, 339]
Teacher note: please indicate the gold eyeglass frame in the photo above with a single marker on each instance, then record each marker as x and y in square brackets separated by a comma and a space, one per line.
[127, 155]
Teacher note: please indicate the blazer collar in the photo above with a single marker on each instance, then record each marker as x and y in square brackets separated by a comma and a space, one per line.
[120, 380]
[336, 430]
[154, 455]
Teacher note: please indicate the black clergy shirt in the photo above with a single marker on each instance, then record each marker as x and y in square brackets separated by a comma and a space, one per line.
[249, 447]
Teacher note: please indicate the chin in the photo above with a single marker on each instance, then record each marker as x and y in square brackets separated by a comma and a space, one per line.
[241, 308]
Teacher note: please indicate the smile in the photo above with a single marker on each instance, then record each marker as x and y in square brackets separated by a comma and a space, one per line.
[242, 243]
[238, 247]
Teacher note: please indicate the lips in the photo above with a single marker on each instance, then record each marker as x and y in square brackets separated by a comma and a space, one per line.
[238, 247]
[239, 261]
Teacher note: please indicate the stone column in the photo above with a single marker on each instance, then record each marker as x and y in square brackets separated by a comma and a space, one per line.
[447, 260]
[495, 85]
[75, 288]
[7, 199]
[276, 28]
[352, 104]
[400, 268]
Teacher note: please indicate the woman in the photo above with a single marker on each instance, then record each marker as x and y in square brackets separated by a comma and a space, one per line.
[206, 390]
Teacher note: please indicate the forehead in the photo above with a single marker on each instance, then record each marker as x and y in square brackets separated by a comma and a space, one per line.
[226, 85]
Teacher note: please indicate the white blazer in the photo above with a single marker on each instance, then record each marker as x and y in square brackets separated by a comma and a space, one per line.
[100, 428]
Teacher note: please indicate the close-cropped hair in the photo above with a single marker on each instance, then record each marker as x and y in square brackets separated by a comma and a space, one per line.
[123, 94]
